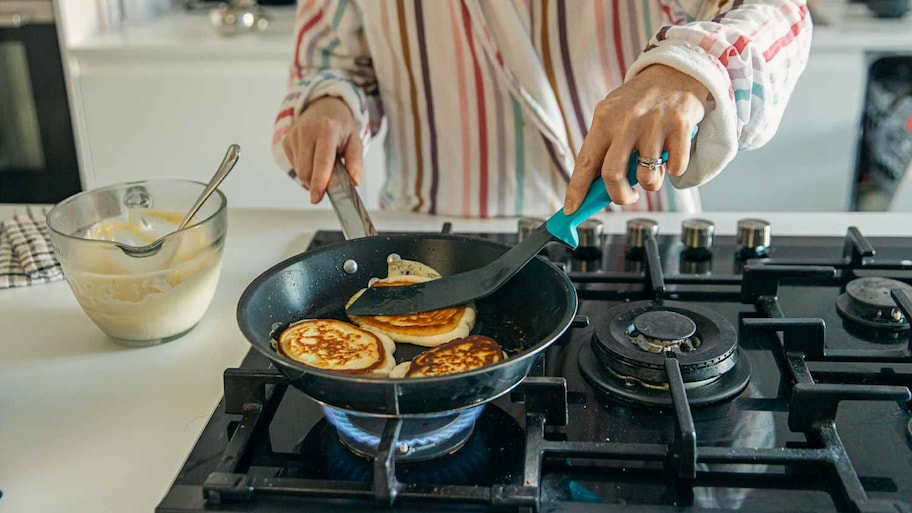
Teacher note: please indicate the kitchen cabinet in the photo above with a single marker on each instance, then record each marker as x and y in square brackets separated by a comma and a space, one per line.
[165, 98]
[170, 120]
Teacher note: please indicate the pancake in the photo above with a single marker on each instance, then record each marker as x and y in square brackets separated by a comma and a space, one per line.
[458, 355]
[338, 346]
[410, 268]
[428, 329]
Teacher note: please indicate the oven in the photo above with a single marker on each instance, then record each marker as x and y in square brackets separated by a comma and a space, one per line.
[37, 150]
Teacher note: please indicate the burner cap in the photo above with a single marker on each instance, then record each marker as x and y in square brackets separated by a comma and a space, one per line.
[867, 301]
[875, 292]
[664, 326]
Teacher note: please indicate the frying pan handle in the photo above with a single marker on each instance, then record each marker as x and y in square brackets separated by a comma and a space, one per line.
[347, 204]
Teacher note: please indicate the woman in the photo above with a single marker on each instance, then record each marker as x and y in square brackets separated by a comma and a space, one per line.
[514, 107]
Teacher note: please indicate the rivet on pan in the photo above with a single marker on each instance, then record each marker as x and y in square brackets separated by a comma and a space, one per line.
[393, 257]
[350, 266]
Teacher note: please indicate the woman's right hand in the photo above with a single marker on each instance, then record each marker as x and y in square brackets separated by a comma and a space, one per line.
[325, 129]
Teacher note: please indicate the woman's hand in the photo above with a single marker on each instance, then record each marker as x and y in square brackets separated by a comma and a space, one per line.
[323, 130]
[655, 111]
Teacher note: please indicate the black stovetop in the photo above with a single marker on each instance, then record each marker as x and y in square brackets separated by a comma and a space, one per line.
[823, 423]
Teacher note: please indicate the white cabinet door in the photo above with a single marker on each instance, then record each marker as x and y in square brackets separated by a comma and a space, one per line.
[810, 163]
[163, 119]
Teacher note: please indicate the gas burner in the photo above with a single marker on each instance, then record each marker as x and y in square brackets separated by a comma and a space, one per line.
[867, 302]
[626, 357]
[493, 454]
[661, 331]
[421, 438]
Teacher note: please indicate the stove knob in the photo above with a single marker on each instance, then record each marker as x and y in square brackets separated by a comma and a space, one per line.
[638, 230]
[590, 233]
[697, 234]
[754, 235]
[527, 225]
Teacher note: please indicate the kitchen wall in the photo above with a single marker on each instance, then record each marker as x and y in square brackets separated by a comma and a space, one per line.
[165, 98]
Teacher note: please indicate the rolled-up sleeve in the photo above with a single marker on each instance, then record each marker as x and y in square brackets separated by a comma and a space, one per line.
[749, 55]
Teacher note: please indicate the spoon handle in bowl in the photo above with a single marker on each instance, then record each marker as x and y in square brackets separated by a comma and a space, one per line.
[231, 158]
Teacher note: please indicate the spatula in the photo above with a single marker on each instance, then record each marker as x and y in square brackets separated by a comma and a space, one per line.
[461, 288]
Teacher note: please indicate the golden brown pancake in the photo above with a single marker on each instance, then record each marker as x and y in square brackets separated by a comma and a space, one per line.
[459, 355]
[339, 346]
[427, 329]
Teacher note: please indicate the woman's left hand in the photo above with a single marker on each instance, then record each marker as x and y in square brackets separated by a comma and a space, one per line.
[656, 110]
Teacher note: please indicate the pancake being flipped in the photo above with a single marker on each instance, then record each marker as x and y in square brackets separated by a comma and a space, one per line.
[427, 329]
[459, 355]
[338, 346]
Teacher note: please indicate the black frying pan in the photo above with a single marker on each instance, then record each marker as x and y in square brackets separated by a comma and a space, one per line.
[524, 316]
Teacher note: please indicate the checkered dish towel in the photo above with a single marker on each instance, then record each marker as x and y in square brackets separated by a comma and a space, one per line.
[26, 257]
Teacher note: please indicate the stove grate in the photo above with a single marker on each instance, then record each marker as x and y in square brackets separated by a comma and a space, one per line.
[818, 381]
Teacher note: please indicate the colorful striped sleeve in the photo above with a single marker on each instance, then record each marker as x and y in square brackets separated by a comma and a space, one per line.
[330, 59]
[749, 54]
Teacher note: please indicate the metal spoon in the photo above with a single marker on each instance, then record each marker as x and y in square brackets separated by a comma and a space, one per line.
[231, 158]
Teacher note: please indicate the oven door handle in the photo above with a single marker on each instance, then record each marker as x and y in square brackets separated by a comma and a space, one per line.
[14, 20]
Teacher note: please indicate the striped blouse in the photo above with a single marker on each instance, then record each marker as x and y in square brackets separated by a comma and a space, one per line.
[488, 102]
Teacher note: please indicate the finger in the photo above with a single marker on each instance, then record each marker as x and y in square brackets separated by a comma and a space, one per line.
[354, 158]
[324, 158]
[287, 148]
[586, 169]
[614, 172]
[655, 178]
[678, 144]
[302, 148]
[650, 146]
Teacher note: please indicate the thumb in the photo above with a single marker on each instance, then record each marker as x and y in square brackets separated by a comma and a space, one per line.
[354, 157]
[576, 190]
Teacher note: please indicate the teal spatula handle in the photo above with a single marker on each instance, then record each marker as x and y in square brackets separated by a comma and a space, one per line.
[563, 226]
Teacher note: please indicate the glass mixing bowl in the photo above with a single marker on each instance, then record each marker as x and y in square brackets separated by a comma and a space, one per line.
[141, 300]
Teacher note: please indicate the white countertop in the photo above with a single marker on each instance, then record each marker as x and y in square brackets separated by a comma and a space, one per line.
[90, 426]
[180, 33]
[841, 25]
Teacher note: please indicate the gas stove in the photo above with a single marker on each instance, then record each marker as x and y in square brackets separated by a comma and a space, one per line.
[701, 373]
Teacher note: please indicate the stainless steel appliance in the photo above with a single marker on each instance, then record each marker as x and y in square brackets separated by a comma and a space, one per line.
[37, 150]
[703, 373]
